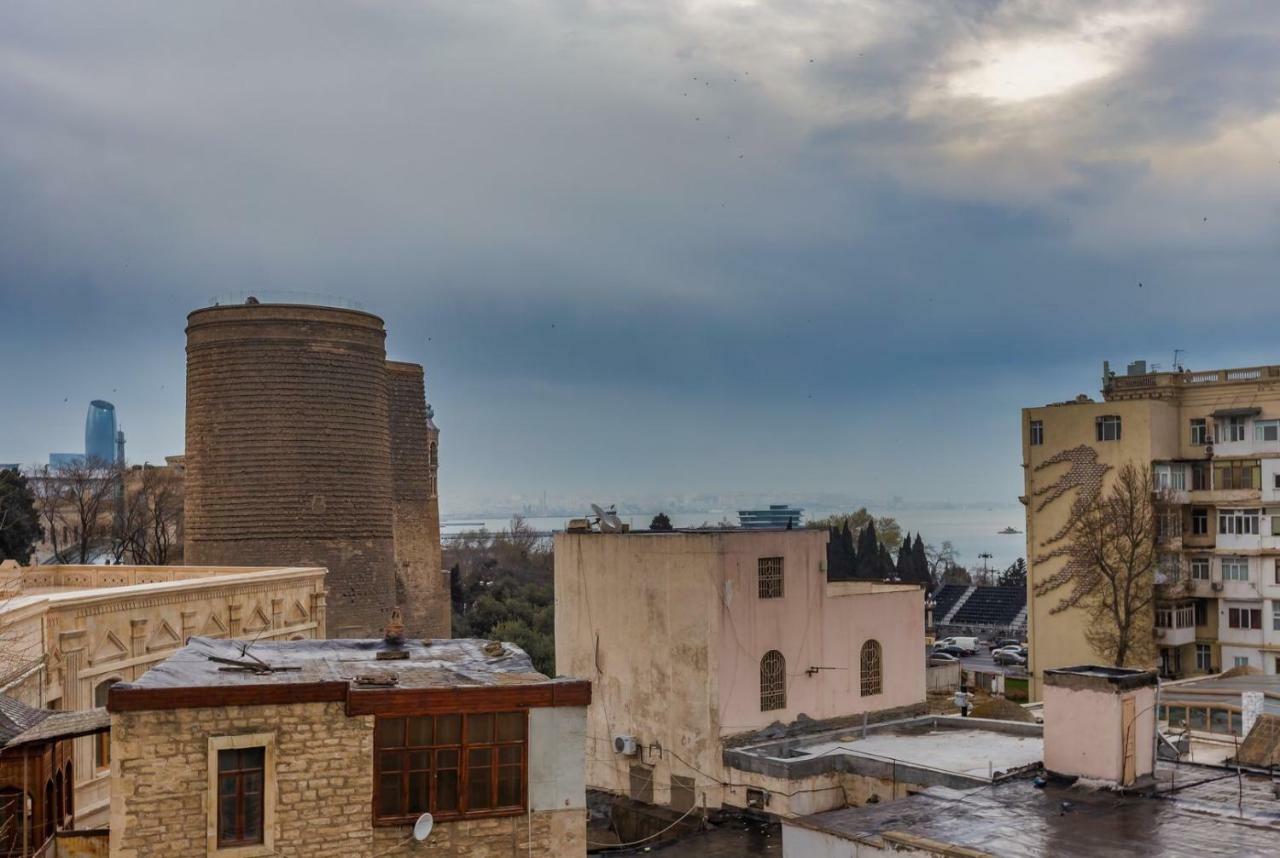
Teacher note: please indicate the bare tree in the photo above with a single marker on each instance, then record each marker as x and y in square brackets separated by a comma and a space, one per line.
[86, 491]
[1113, 553]
[149, 526]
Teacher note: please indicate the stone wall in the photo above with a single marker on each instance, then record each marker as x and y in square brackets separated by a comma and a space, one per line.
[288, 458]
[323, 778]
[421, 587]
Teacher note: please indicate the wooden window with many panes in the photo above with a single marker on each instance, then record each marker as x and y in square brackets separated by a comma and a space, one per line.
[240, 796]
[450, 765]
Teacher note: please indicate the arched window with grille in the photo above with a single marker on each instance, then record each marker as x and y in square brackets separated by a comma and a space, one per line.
[773, 681]
[871, 672]
[102, 741]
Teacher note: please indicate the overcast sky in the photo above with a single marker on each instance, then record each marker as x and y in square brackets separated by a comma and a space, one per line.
[643, 246]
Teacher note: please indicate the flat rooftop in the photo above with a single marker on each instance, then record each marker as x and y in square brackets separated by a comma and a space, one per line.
[1207, 814]
[930, 750]
[441, 663]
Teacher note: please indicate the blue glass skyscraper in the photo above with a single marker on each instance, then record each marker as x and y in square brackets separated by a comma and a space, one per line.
[100, 431]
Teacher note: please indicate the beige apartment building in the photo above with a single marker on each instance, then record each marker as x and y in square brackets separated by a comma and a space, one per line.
[69, 633]
[1212, 440]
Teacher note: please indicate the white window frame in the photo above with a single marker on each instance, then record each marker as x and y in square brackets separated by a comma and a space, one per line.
[1171, 478]
[1275, 615]
[1231, 430]
[1205, 663]
[1036, 433]
[1108, 427]
[1260, 428]
[1200, 569]
[1199, 431]
[1242, 661]
[1230, 565]
[1239, 522]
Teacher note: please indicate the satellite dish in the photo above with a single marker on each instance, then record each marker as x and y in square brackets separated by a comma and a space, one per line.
[595, 508]
[422, 828]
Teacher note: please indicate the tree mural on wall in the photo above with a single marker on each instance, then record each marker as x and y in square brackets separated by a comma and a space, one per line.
[1085, 478]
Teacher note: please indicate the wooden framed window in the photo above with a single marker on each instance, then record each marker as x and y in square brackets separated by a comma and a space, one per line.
[241, 776]
[1037, 433]
[773, 681]
[102, 741]
[769, 577]
[870, 669]
[450, 765]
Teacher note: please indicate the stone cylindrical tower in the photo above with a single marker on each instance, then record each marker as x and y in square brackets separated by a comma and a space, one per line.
[289, 450]
[421, 585]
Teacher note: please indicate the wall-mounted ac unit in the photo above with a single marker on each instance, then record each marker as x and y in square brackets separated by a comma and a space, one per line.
[625, 745]
[1217, 586]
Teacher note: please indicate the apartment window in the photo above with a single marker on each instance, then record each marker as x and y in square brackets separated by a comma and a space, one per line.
[1275, 482]
[1037, 433]
[1200, 521]
[1200, 568]
[1275, 522]
[1238, 522]
[1266, 430]
[1235, 569]
[102, 741]
[1201, 613]
[871, 669]
[773, 681]
[450, 765]
[1108, 427]
[1242, 661]
[1169, 525]
[1276, 571]
[1200, 477]
[1244, 618]
[1275, 616]
[769, 577]
[240, 796]
[1204, 658]
[1199, 431]
[1237, 474]
[1171, 478]
[1231, 429]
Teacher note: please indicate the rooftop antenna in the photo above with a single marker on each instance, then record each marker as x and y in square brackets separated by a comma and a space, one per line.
[1177, 364]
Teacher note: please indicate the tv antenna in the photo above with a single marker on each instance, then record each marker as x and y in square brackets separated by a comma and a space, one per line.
[1177, 364]
[607, 519]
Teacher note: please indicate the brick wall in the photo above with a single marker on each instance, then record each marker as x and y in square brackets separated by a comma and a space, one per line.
[324, 778]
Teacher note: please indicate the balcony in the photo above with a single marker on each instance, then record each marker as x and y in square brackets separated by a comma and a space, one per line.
[1175, 624]
[1175, 636]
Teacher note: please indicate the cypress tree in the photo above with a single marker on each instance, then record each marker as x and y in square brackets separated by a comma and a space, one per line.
[868, 560]
[920, 562]
[903, 568]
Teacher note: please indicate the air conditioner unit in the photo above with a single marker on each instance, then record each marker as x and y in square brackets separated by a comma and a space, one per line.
[625, 745]
[1217, 585]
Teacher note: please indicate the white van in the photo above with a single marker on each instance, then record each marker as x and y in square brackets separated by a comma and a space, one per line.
[968, 644]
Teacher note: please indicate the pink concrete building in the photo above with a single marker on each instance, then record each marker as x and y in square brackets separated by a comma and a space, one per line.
[695, 641]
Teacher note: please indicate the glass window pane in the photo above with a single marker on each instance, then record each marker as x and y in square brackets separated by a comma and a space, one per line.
[253, 819]
[448, 729]
[390, 733]
[509, 755]
[389, 761]
[1237, 723]
[479, 787]
[511, 725]
[1177, 716]
[227, 785]
[479, 728]
[419, 760]
[1199, 719]
[227, 819]
[420, 732]
[508, 786]
[1221, 721]
[418, 802]
[390, 800]
[446, 759]
[446, 790]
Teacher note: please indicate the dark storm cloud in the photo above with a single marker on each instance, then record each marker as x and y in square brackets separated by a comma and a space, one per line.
[711, 232]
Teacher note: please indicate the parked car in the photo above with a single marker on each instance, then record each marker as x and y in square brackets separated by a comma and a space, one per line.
[953, 650]
[968, 644]
[1009, 656]
[939, 655]
[1007, 642]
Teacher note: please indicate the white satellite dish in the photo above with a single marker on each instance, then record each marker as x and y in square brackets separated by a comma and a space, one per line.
[422, 828]
[607, 519]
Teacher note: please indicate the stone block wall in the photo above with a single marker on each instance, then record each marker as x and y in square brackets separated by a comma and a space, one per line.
[552, 834]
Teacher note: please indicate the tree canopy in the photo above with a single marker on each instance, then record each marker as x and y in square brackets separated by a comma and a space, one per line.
[20, 528]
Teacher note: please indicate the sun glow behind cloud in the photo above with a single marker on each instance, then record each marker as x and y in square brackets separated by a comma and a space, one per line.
[1019, 70]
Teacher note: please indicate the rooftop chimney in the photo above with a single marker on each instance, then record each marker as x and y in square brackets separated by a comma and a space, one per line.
[1099, 724]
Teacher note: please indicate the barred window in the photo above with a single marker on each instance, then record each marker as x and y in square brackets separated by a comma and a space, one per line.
[773, 681]
[769, 570]
[870, 669]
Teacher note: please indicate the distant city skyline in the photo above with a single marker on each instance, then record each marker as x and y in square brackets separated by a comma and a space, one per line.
[649, 250]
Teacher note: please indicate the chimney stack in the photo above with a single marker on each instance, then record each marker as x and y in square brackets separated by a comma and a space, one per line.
[1099, 724]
